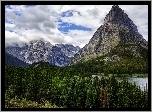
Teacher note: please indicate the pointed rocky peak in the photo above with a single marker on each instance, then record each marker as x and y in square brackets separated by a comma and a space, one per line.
[117, 16]
[118, 28]
[116, 8]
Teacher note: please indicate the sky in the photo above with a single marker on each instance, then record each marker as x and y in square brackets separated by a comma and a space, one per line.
[66, 24]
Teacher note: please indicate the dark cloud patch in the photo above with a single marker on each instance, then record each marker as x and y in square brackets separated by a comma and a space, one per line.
[94, 12]
[69, 13]
[50, 24]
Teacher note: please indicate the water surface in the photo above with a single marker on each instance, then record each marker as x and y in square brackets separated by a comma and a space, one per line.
[138, 81]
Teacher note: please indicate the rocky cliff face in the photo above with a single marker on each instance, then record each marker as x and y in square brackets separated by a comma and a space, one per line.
[40, 50]
[117, 28]
[68, 49]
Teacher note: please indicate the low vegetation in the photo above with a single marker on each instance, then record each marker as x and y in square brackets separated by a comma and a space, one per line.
[23, 103]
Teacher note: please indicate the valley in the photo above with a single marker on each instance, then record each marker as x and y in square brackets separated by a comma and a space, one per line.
[111, 71]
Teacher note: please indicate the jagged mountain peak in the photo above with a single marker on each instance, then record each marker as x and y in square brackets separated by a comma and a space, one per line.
[115, 13]
[39, 41]
[117, 16]
[117, 28]
[116, 8]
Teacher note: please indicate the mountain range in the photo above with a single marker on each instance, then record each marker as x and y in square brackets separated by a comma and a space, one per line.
[118, 38]
[40, 50]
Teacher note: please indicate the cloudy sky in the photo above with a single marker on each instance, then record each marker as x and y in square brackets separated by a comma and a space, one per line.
[71, 24]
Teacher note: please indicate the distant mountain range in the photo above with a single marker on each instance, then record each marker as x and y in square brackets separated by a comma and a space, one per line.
[40, 50]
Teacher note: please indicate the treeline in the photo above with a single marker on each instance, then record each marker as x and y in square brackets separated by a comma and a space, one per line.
[68, 89]
[132, 65]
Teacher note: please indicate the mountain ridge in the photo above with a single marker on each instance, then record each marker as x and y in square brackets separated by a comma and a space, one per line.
[11, 60]
[38, 50]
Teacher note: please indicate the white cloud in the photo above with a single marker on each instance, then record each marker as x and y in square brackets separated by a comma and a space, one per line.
[40, 22]
[9, 26]
[14, 38]
[80, 35]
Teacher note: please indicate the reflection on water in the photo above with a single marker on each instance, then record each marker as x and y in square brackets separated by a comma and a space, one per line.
[138, 81]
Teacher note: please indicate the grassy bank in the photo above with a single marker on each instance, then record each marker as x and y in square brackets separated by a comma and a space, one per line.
[24, 103]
